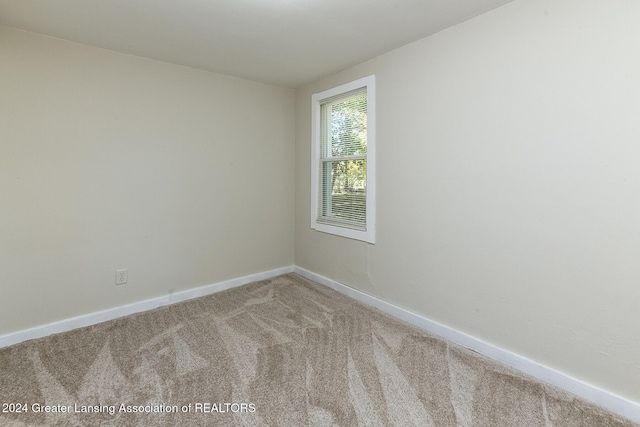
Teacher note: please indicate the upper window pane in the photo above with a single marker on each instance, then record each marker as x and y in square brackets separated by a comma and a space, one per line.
[345, 126]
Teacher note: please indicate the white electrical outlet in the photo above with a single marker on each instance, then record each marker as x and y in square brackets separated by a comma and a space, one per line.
[121, 276]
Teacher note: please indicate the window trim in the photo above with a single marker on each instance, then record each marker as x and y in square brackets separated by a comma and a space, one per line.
[367, 235]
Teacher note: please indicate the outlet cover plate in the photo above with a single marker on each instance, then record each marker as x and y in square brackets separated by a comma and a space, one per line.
[121, 276]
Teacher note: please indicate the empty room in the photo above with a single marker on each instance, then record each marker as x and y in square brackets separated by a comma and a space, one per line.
[320, 213]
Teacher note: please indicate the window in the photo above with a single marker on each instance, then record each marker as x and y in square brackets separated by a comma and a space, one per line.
[343, 160]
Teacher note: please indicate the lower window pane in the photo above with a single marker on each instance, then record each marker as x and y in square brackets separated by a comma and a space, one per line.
[343, 197]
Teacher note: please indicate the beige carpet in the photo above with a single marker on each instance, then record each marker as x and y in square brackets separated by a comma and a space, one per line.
[281, 352]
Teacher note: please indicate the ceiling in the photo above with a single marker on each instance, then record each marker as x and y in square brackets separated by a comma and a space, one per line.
[283, 42]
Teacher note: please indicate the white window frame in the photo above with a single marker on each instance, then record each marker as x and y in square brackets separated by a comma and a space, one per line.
[368, 234]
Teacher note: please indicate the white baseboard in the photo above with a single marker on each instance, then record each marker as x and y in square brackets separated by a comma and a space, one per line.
[125, 310]
[589, 392]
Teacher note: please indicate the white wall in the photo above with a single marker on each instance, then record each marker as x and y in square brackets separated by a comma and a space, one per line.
[508, 185]
[111, 161]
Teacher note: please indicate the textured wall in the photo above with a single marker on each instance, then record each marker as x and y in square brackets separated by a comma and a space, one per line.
[508, 185]
[110, 161]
